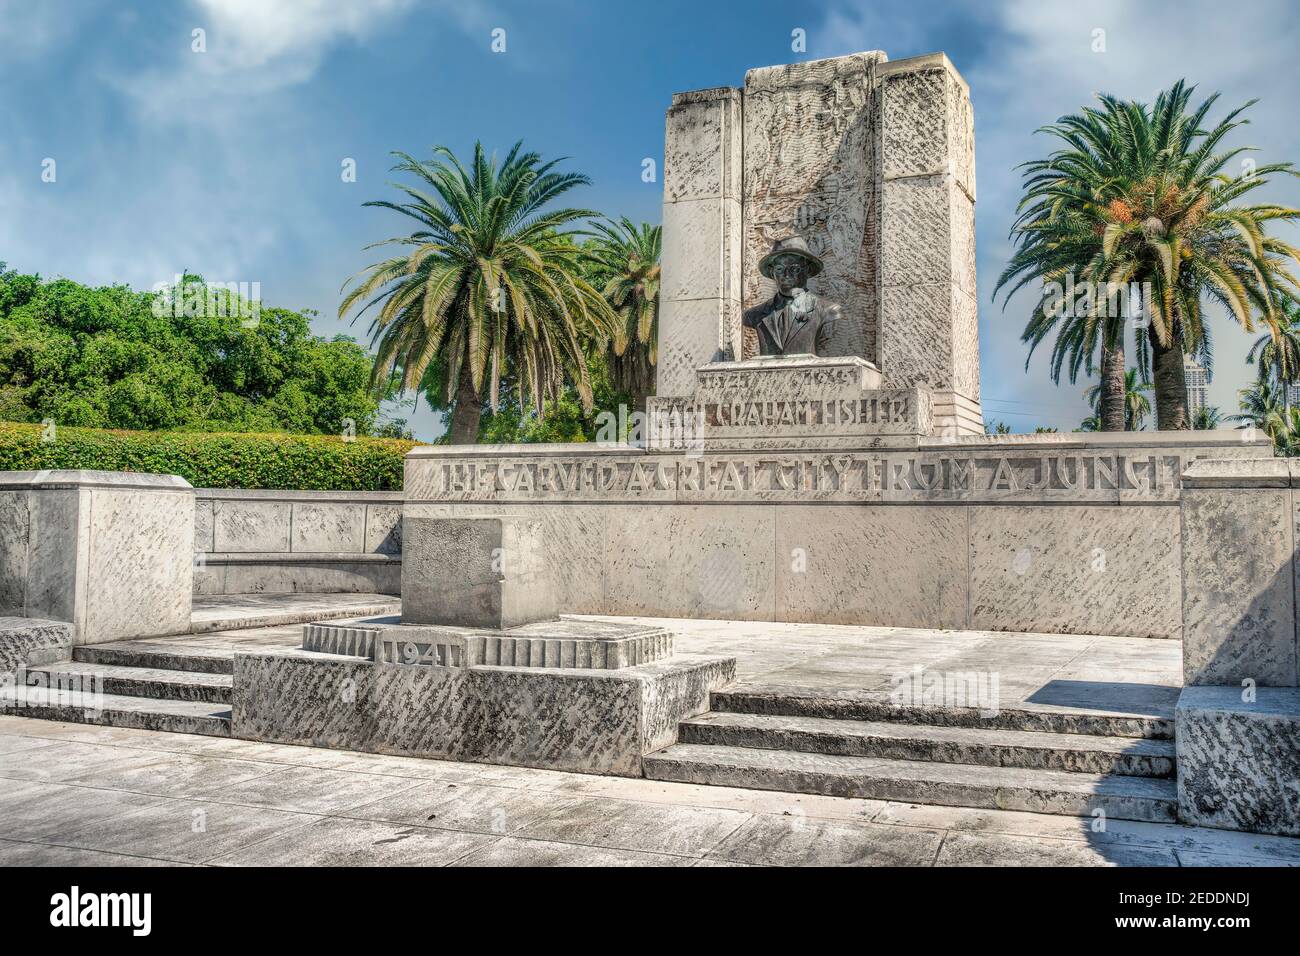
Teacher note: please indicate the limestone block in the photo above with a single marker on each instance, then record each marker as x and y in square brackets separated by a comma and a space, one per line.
[585, 721]
[928, 311]
[203, 524]
[251, 525]
[26, 640]
[1081, 570]
[328, 526]
[1238, 576]
[475, 572]
[572, 536]
[702, 147]
[691, 561]
[872, 565]
[1239, 761]
[930, 225]
[705, 238]
[688, 338]
[139, 565]
[927, 125]
[384, 528]
[13, 552]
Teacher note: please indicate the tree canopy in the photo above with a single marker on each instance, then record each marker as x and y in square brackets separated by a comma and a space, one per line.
[113, 357]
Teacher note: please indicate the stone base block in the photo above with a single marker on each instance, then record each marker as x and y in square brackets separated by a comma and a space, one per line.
[588, 721]
[566, 644]
[486, 571]
[26, 640]
[1239, 763]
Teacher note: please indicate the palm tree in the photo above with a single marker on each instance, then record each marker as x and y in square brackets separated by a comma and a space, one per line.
[1278, 350]
[1207, 418]
[1262, 408]
[488, 279]
[1139, 195]
[1137, 407]
[625, 262]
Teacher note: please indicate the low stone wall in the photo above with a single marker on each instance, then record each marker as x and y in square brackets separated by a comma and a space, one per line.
[1074, 533]
[279, 542]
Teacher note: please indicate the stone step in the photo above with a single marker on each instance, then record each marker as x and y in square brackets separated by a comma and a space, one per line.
[167, 657]
[912, 781]
[1076, 753]
[116, 710]
[153, 683]
[1050, 721]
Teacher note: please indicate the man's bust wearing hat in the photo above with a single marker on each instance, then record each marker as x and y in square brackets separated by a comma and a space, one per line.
[795, 321]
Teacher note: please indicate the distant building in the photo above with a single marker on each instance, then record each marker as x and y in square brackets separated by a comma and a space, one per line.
[1198, 385]
[1293, 395]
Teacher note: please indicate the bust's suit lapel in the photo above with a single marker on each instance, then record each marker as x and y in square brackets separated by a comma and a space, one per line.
[776, 328]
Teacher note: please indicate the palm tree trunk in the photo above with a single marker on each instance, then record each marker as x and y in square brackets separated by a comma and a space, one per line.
[467, 411]
[1170, 382]
[1112, 387]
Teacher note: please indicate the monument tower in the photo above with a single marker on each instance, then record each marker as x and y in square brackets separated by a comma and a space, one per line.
[867, 164]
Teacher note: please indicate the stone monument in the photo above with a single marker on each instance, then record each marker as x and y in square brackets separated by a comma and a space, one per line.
[865, 164]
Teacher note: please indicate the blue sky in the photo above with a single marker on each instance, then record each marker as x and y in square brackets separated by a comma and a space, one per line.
[228, 162]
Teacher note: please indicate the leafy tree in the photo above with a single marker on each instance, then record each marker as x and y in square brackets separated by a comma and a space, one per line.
[487, 279]
[111, 357]
[997, 428]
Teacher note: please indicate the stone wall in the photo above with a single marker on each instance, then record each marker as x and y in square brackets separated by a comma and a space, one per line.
[1056, 533]
[278, 542]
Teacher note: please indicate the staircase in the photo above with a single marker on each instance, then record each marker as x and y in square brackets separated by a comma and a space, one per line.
[144, 686]
[1044, 761]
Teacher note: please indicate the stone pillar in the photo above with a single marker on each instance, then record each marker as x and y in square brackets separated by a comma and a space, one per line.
[699, 310]
[1237, 722]
[929, 328]
[810, 170]
[111, 552]
[1238, 543]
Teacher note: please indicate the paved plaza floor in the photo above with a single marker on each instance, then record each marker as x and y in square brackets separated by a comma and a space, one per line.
[72, 794]
[85, 795]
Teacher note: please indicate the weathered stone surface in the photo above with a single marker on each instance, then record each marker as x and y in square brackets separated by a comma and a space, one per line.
[727, 570]
[111, 552]
[1239, 762]
[586, 721]
[1075, 569]
[26, 640]
[327, 526]
[475, 572]
[809, 169]
[567, 644]
[384, 529]
[903, 567]
[699, 316]
[251, 525]
[13, 552]
[1239, 583]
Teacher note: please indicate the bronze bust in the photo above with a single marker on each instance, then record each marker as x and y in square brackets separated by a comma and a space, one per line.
[794, 321]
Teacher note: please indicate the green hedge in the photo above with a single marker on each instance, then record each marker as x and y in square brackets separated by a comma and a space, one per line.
[214, 460]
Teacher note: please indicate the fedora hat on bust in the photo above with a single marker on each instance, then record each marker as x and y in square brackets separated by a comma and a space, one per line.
[794, 245]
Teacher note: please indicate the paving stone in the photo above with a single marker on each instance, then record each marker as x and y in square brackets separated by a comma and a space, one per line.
[307, 790]
[987, 849]
[337, 842]
[796, 841]
[509, 851]
[625, 825]
[455, 806]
